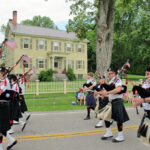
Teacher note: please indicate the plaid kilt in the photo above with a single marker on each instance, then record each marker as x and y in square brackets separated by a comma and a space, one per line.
[23, 105]
[4, 117]
[119, 113]
[90, 101]
[103, 102]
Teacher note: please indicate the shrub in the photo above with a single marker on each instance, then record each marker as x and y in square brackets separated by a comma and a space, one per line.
[70, 74]
[46, 75]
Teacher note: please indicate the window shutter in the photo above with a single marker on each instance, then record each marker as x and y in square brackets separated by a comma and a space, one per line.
[45, 44]
[76, 47]
[46, 63]
[83, 64]
[72, 47]
[83, 48]
[65, 47]
[21, 43]
[73, 64]
[59, 46]
[30, 43]
[52, 43]
[30, 62]
[37, 63]
[37, 44]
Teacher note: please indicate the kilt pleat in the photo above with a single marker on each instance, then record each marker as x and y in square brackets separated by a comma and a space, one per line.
[119, 112]
[23, 105]
[4, 118]
[90, 101]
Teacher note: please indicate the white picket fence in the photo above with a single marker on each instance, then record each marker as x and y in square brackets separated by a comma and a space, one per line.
[62, 86]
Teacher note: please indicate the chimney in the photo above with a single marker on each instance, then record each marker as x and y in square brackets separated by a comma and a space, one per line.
[10, 20]
[14, 18]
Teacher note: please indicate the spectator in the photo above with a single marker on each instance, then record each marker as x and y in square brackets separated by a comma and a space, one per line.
[81, 96]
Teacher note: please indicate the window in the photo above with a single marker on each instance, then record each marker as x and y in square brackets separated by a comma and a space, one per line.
[56, 46]
[80, 64]
[26, 43]
[56, 64]
[68, 47]
[41, 63]
[70, 64]
[80, 76]
[41, 44]
[26, 65]
[79, 47]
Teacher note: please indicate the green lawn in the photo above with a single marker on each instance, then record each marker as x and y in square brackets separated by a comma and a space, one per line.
[54, 102]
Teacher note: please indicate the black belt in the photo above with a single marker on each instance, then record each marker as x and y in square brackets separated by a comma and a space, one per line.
[90, 92]
[4, 102]
[116, 100]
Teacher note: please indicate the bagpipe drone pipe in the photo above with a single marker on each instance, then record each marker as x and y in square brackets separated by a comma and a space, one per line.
[141, 91]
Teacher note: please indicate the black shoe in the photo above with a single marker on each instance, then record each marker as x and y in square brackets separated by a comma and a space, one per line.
[28, 117]
[10, 146]
[87, 118]
[116, 141]
[23, 127]
[106, 138]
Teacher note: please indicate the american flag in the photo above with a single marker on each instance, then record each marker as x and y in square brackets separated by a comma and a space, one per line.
[127, 64]
[34, 69]
[26, 58]
[11, 44]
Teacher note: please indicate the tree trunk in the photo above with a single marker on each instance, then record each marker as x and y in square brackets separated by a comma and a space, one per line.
[104, 41]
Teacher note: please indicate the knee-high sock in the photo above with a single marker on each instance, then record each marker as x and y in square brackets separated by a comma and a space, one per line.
[107, 124]
[88, 111]
[120, 126]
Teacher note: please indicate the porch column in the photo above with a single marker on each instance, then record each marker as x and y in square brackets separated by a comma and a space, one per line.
[66, 64]
[53, 57]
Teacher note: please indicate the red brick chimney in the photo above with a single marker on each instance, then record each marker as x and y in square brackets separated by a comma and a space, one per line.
[14, 21]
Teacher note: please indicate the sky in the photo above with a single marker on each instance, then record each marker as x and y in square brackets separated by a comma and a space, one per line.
[57, 10]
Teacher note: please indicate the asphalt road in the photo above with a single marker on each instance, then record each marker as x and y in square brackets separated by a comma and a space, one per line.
[66, 130]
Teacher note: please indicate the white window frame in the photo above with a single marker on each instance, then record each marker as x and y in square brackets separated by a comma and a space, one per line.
[27, 42]
[70, 64]
[80, 48]
[68, 47]
[41, 64]
[80, 64]
[41, 44]
[56, 46]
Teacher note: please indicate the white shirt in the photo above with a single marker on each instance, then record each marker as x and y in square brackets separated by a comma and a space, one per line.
[81, 95]
[92, 81]
[146, 85]
[117, 82]
[2, 85]
[15, 87]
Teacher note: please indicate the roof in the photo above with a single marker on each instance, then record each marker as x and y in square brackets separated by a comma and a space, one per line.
[41, 31]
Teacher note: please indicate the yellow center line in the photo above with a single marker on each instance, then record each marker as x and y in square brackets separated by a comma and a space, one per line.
[69, 134]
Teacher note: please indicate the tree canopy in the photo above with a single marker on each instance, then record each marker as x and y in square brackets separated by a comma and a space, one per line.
[40, 21]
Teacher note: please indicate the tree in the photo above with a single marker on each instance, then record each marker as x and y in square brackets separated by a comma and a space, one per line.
[40, 21]
[99, 15]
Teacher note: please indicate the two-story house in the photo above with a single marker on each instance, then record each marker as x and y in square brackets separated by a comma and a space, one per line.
[47, 48]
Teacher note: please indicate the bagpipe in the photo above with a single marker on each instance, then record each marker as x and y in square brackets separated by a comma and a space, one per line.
[144, 131]
[87, 84]
[143, 93]
[110, 87]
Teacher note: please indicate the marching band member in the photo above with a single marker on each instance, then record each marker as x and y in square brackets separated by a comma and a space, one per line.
[102, 101]
[90, 100]
[144, 101]
[23, 105]
[5, 111]
[17, 110]
[119, 113]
